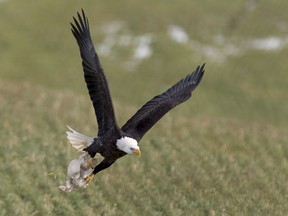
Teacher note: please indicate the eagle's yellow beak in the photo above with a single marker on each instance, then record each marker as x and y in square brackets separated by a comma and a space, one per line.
[137, 152]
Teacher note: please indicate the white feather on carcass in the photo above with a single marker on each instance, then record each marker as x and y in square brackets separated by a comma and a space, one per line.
[81, 167]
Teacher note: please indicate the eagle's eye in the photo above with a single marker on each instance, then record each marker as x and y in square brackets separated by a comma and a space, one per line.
[132, 149]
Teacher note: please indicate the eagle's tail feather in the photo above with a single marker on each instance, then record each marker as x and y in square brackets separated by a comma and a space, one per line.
[78, 140]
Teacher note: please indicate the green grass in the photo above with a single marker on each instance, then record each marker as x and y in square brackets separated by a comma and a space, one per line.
[224, 152]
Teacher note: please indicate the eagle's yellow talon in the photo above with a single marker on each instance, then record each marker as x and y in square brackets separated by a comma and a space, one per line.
[89, 178]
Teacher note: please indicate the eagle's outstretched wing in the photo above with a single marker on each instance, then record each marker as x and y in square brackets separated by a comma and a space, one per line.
[158, 106]
[94, 75]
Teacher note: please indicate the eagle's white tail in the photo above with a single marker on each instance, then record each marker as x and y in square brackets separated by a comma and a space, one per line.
[78, 140]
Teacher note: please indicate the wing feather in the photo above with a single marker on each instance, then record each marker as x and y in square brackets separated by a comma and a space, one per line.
[157, 107]
[94, 75]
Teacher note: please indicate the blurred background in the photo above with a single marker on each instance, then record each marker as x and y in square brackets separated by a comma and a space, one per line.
[224, 152]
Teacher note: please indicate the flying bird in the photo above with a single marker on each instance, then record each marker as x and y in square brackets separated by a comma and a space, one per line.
[113, 142]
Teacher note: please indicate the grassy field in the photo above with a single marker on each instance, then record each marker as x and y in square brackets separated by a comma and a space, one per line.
[224, 152]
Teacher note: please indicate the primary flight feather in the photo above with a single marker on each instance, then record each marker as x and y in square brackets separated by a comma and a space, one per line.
[113, 142]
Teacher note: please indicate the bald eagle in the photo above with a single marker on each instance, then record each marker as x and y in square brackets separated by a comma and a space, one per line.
[113, 142]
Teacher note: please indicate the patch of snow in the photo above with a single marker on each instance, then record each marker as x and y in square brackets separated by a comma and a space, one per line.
[222, 47]
[111, 31]
[250, 5]
[270, 43]
[178, 34]
[105, 47]
[118, 35]
[112, 27]
[125, 40]
[215, 52]
[143, 48]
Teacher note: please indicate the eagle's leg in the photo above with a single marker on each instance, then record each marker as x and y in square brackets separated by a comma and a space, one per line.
[103, 165]
[94, 148]
[89, 164]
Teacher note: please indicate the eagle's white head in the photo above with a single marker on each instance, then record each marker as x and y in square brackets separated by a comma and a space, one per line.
[128, 145]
